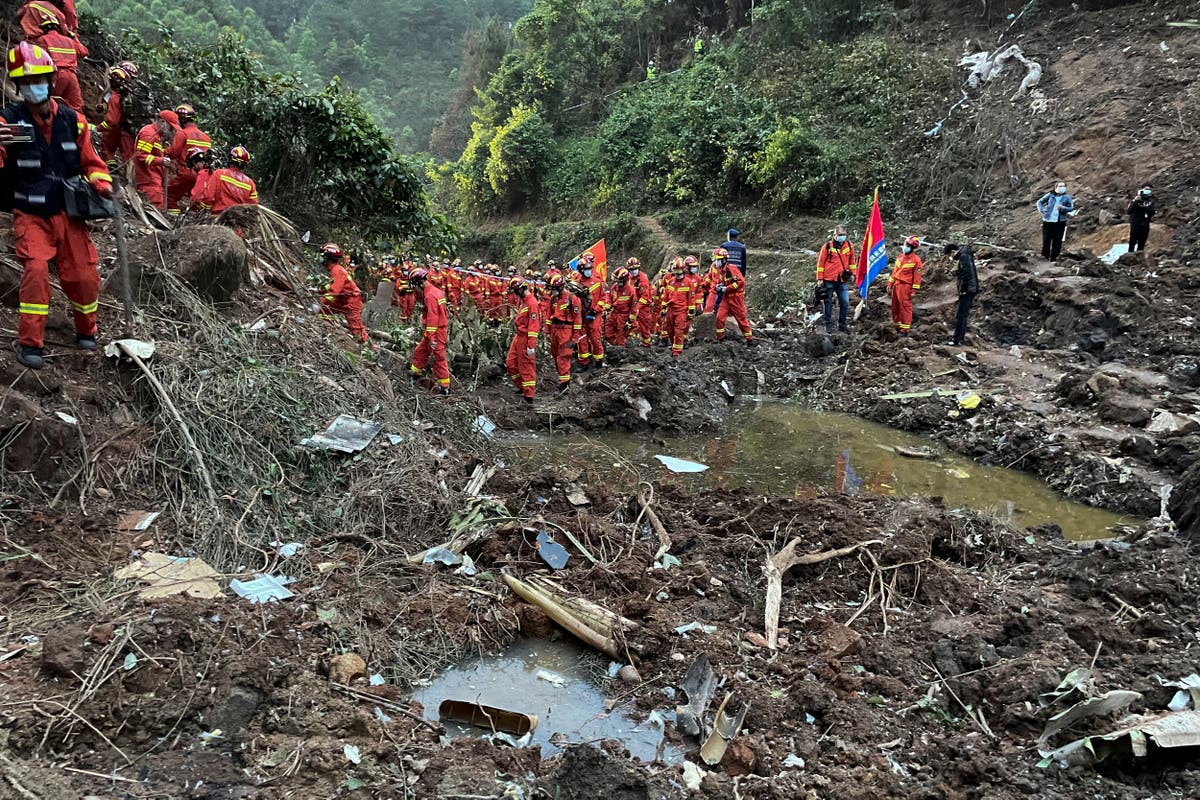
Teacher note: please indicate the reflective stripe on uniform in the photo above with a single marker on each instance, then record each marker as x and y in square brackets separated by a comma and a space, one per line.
[86, 308]
[201, 143]
[37, 309]
[236, 182]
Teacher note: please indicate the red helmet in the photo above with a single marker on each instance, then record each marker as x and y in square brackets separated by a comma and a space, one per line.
[556, 282]
[621, 274]
[633, 263]
[677, 264]
[239, 155]
[913, 241]
[185, 111]
[331, 250]
[192, 153]
[720, 254]
[515, 282]
[48, 21]
[690, 262]
[418, 274]
[588, 257]
[27, 60]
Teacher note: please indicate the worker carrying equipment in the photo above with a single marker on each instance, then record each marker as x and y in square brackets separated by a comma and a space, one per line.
[44, 147]
[566, 326]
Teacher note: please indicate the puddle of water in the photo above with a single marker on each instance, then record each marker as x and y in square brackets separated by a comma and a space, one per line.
[782, 448]
[568, 713]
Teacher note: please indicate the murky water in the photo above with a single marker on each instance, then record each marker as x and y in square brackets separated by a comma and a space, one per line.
[782, 448]
[557, 681]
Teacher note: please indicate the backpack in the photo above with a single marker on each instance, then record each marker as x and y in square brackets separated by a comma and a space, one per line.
[584, 295]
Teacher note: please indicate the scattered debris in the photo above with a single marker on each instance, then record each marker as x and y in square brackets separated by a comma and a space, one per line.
[725, 727]
[138, 520]
[263, 588]
[352, 754]
[699, 684]
[681, 464]
[693, 776]
[1167, 730]
[496, 719]
[550, 677]
[968, 399]
[551, 551]
[1099, 706]
[442, 555]
[691, 627]
[577, 498]
[917, 452]
[130, 348]
[483, 426]
[345, 434]
[1166, 423]
[67, 418]
[170, 576]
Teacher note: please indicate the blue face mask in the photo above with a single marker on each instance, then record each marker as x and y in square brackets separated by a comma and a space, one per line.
[840, 239]
[36, 92]
[907, 249]
[1145, 192]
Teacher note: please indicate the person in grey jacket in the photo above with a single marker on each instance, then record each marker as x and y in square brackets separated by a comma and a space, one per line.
[1055, 208]
[968, 287]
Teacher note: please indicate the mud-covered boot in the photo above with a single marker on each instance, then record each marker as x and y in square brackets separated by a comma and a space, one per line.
[85, 342]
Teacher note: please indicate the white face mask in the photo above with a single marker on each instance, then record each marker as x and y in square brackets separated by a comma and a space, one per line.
[840, 239]
[635, 272]
[1060, 189]
[693, 270]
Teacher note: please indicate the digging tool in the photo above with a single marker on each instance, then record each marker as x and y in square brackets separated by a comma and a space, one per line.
[122, 254]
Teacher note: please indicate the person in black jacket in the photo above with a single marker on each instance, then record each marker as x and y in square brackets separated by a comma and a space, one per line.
[968, 287]
[1141, 211]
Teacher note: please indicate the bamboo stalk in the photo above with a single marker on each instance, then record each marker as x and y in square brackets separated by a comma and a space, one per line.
[564, 618]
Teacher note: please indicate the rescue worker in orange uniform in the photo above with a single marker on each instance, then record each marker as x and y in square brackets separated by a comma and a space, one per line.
[644, 316]
[151, 160]
[342, 295]
[116, 134]
[522, 353]
[566, 326]
[66, 52]
[713, 278]
[660, 292]
[197, 161]
[454, 283]
[732, 293]
[591, 340]
[31, 14]
[435, 318]
[903, 282]
[188, 138]
[836, 265]
[680, 298]
[623, 303]
[231, 186]
[61, 148]
[404, 295]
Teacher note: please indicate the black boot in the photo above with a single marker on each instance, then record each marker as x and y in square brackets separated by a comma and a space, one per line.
[562, 388]
[30, 356]
[85, 342]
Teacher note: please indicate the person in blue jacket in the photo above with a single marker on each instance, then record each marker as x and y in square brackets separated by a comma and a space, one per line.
[737, 251]
[1055, 207]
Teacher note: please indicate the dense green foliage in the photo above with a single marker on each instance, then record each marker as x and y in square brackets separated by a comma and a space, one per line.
[795, 106]
[401, 54]
[316, 154]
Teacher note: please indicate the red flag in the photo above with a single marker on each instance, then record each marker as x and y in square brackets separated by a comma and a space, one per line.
[872, 258]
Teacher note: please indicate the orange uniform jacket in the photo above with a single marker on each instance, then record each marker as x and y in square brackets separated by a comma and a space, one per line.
[65, 51]
[149, 169]
[623, 299]
[31, 14]
[833, 259]
[528, 321]
[907, 270]
[680, 294]
[598, 293]
[566, 311]
[189, 136]
[228, 187]
[342, 287]
[434, 317]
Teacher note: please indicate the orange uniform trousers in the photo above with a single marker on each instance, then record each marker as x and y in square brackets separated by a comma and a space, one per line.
[591, 340]
[902, 294]
[677, 330]
[734, 304]
[67, 241]
[562, 348]
[426, 353]
[350, 308]
[522, 368]
[616, 327]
